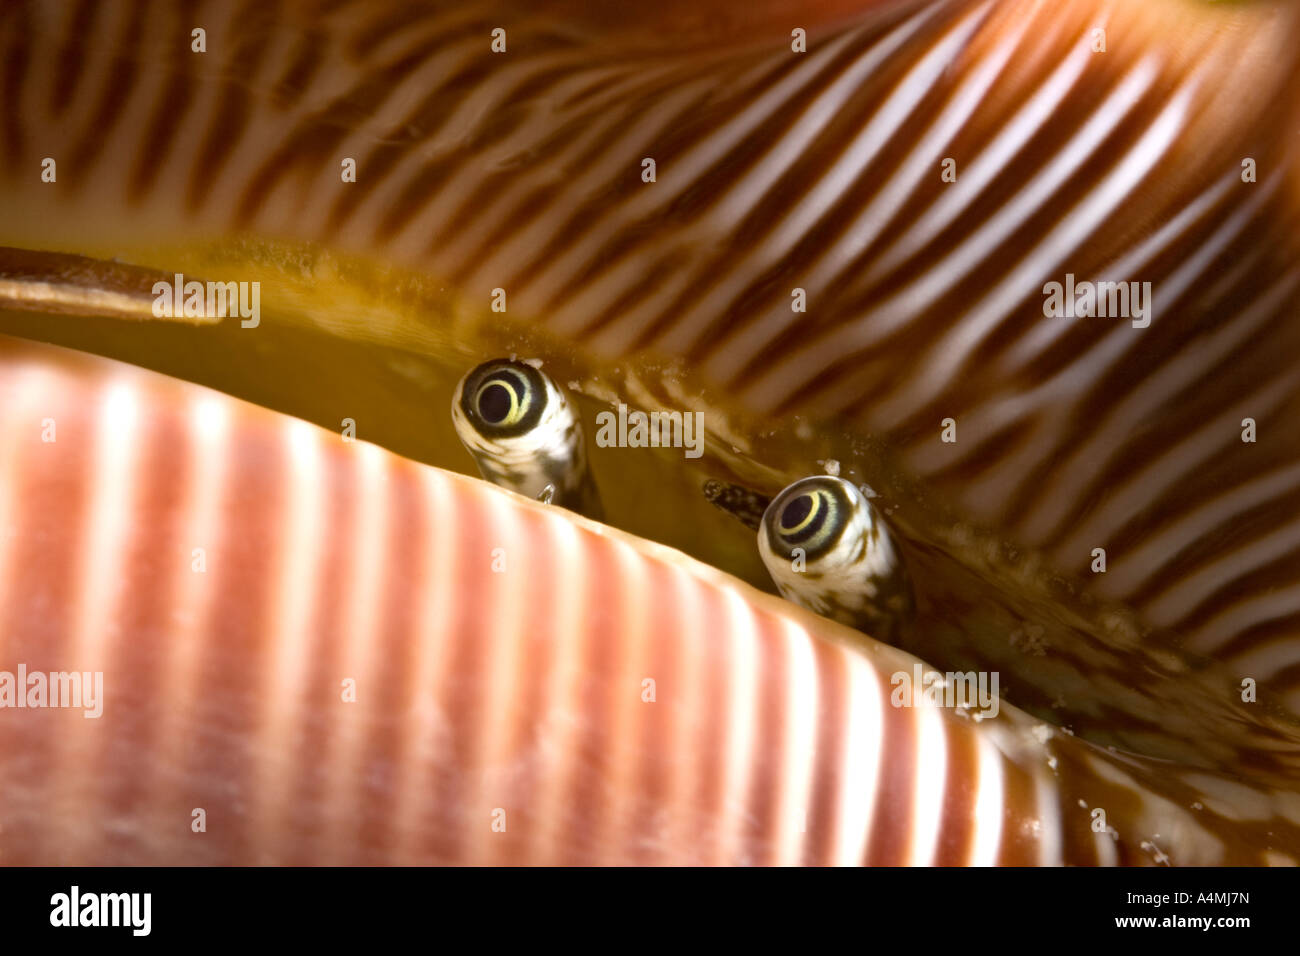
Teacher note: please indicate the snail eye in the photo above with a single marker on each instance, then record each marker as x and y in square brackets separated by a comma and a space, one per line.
[498, 402]
[800, 513]
[807, 518]
[506, 399]
[810, 515]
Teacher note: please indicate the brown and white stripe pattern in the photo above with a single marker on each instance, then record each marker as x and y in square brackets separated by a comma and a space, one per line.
[769, 740]
[776, 170]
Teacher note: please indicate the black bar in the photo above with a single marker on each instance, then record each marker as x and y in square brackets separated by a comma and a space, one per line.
[457, 908]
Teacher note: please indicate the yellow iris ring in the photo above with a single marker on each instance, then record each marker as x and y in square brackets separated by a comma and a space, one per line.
[816, 508]
[517, 409]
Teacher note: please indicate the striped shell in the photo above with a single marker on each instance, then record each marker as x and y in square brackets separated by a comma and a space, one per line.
[776, 170]
[819, 170]
[499, 716]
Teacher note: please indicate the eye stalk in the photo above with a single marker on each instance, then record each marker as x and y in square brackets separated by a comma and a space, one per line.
[523, 434]
[828, 550]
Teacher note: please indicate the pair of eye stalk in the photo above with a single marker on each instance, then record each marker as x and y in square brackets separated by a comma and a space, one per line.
[821, 540]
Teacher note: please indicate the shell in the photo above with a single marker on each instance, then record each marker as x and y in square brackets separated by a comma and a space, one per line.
[516, 696]
[776, 170]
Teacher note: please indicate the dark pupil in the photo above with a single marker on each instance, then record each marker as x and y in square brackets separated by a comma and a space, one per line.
[494, 403]
[796, 511]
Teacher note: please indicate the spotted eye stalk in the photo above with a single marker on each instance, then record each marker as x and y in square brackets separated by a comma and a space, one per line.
[828, 550]
[524, 435]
